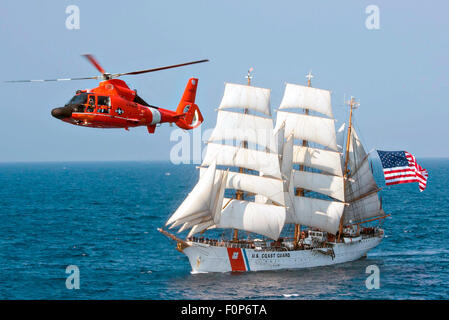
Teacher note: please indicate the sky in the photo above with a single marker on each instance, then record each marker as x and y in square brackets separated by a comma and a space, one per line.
[398, 72]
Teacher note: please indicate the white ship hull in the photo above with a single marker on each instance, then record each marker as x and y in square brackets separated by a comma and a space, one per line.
[207, 258]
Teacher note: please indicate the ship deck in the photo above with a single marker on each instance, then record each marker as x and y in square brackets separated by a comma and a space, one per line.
[283, 244]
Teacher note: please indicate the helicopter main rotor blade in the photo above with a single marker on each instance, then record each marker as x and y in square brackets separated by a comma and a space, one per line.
[107, 76]
[94, 61]
[62, 79]
[115, 75]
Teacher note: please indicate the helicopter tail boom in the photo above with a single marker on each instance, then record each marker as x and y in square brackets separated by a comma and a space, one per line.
[188, 96]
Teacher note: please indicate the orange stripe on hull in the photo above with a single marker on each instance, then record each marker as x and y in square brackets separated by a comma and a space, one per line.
[236, 259]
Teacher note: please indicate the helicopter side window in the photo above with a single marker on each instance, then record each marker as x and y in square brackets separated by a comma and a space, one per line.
[104, 101]
[103, 104]
[91, 104]
[103, 110]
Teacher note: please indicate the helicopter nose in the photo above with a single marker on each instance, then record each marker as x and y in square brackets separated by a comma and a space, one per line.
[61, 113]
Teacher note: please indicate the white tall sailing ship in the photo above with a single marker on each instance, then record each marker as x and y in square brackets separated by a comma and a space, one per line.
[290, 196]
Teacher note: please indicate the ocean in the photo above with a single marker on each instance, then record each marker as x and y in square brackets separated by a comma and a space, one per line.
[103, 217]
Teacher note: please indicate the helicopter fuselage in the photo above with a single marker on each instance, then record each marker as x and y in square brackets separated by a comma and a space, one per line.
[114, 105]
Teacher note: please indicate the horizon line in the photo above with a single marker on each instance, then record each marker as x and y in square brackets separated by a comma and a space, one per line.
[165, 161]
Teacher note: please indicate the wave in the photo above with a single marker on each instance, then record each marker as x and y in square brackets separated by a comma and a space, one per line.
[409, 253]
[286, 295]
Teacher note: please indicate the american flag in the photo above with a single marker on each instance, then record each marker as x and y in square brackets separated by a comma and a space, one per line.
[401, 167]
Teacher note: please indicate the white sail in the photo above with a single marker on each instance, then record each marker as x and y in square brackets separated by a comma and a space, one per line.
[214, 208]
[192, 223]
[227, 155]
[328, 161]
[316, 213]
[265, 186]
[360, 182]
[246, 97]
[244, 127]
[287, 160]
[362, 209]
[341, 137]
[331, 186]
[185, 226]
[361, 188]
[310, 128]
[200, 227]
[356, 151]
[279, 138]
[217, 204]
[198, 199]
[297, 96]
[264, 219]
[189, 218]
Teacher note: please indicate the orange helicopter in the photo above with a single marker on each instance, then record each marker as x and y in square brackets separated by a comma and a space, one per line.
[114, 105]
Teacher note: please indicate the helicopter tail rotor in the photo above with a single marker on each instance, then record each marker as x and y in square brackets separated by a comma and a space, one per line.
[190, 119]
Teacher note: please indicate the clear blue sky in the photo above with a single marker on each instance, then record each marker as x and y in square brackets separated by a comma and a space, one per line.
[399, 73]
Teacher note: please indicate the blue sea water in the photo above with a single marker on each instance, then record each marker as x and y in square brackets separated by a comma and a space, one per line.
[102, 217]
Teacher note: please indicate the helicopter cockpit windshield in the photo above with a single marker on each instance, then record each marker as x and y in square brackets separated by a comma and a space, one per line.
[78, 99]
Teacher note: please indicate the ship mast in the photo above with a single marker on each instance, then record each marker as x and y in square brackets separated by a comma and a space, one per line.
[300, 191]
[239, 193]
[352, 106]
